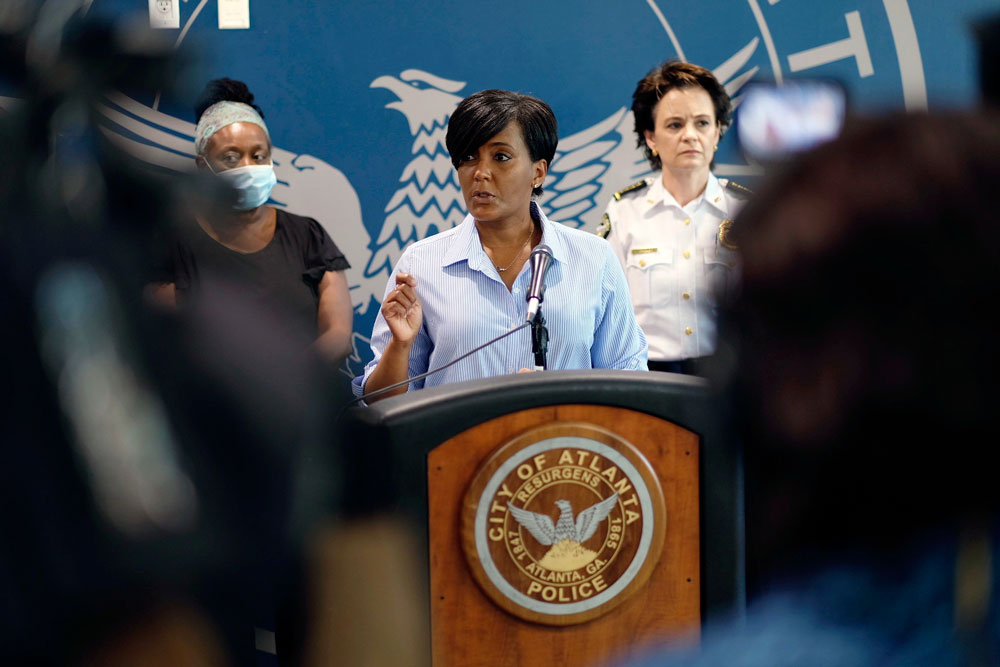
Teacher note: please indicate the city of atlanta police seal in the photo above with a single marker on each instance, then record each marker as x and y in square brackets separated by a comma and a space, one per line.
[563, 523]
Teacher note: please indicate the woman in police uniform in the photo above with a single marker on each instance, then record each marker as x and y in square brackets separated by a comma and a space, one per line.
[669, 231]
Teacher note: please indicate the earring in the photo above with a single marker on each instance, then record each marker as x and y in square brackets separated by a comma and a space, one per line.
[655, 153]
[716, 147]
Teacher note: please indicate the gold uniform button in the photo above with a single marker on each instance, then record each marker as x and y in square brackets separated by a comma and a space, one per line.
[642, 262]
[687, 221]
[686, 295]
[688, 331]
[687, 255]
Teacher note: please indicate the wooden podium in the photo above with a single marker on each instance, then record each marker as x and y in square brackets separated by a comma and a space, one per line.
[572, 516]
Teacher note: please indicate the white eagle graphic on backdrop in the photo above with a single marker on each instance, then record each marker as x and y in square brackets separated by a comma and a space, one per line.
[588, 168]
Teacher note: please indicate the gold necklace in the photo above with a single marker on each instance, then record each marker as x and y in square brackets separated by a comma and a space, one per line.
[519, 251]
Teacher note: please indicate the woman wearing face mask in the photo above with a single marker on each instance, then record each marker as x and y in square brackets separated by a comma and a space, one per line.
[286, 260]
[671, 231]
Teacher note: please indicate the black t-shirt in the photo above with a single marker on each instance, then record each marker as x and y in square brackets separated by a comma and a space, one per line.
[285, 274]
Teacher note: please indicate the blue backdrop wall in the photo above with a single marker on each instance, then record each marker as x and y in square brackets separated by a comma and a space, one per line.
[357, 94]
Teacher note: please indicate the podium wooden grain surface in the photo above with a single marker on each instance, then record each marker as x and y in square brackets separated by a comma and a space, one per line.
[467, 628]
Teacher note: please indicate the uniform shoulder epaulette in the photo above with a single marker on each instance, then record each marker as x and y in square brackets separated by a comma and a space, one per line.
[638, 185]
[739, 191]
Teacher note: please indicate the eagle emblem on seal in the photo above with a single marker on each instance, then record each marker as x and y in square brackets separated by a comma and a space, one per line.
[566, 535]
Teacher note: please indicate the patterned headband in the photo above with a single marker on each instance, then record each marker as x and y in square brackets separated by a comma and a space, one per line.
[221, 114]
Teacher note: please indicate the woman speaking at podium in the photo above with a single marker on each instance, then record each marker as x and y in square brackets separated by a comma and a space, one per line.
[458, 289]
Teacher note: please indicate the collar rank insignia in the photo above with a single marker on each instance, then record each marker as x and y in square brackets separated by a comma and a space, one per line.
[604, 229]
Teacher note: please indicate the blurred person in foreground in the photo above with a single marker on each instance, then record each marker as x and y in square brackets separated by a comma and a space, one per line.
[865, 392]
[462, 287]
[151, 462]
[287, 261]
[671, 232]
[160, 470]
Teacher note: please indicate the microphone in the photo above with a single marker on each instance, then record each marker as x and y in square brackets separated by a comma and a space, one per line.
[540, 260]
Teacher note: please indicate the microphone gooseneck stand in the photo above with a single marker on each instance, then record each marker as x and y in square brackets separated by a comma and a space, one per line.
[539, 340]
[540, 261]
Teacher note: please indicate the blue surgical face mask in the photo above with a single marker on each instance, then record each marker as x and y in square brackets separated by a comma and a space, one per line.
[253, 184]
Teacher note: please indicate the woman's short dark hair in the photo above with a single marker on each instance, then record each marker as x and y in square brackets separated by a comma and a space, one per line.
[224, 90]
[483, 115]
[674, 74]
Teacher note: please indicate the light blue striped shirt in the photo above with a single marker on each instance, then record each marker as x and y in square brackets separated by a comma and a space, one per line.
[587, 309]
